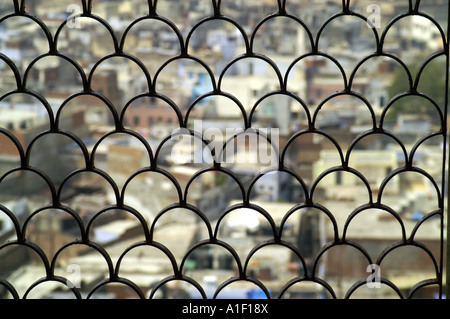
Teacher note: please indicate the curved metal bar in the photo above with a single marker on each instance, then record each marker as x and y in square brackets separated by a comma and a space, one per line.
[97, 171]
[21, 13]
[324, 55]
[311, 206]
[419, 143]
[377, 55]
[409, 169]
[14, 69]
[180, 57]
[155, 95]
[347, 12]
[59, 279]
[252, 56]
[65, 209]
[312, 131]
[417, 244]
[362, 208]
[186, 206]
[90, 244]
[157, 170]
[374, 132]
[127, 56]
[331, 245]
[97, 95]
[14, 220]
[10, 288]
[408, 14]
[250, 131]
[68, 134]
[363, 282]
[422, 221]
[424, 65]
[147, 243]
[277, 243]
[282, 13]
[17, 144]
[58, 55]
[127, 132]
[183, 278]
[338, 94]
[42, 175]
[128, 209]
[212, 94]
[254, 207]
[173, 137]
[220, 169]
[422, 284]
[218, 243]
[219, 17]
[274, 93]
[41, 99]
[88, 14]
[316, 280]
[153, 16]
[344, 169]
[280, 170]
[124, 281]
[235, 279]
[406, 94]
[35, 248]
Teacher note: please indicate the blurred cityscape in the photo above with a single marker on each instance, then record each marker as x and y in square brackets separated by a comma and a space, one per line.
[152, 88]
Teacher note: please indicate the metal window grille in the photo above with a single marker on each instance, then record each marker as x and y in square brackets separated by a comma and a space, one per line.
[92, 205]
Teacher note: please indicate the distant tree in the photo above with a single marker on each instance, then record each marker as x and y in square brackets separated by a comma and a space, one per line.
[431, 83]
